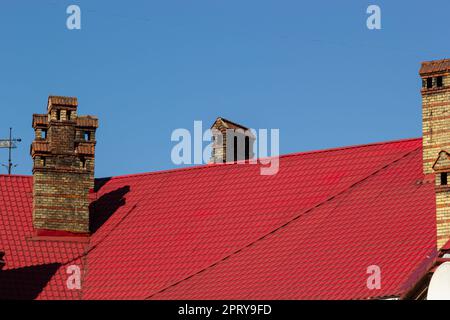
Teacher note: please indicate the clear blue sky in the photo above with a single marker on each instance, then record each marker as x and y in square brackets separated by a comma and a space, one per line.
[310, 68]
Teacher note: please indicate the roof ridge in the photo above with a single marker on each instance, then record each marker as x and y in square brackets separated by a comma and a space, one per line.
[301, 153]
[211, 165]
[293, 219]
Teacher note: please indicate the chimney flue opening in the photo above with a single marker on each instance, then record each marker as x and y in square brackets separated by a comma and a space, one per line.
[444, 179]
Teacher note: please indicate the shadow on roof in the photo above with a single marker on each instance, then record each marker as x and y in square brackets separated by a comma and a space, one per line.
[25, 283]
[103, 208]
[99, 183]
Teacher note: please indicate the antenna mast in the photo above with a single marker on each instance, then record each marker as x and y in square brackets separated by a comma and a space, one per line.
[9, 144]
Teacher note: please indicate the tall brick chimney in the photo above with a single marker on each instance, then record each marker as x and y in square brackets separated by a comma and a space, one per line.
[436, 138]
[232, 142]
[63, 155]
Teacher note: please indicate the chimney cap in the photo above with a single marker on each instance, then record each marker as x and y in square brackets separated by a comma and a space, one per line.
[62, 101]
[229, 124]
[40, 120]
[436, 66]
[87, 121]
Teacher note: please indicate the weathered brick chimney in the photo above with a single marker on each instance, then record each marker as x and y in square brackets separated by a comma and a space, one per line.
[232, 142]
[63, 155]
[436, 138]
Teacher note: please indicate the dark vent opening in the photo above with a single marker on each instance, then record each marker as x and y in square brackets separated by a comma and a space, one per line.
[444, 179]
[247, 148]
[235, 149]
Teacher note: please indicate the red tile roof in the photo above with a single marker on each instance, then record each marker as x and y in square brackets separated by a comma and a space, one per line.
[226, 232]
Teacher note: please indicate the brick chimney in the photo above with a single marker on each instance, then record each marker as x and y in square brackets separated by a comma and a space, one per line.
[436, 138]
[231, 142]
[63, 155]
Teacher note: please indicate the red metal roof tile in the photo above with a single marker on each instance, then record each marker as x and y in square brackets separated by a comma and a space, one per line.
[226, 232]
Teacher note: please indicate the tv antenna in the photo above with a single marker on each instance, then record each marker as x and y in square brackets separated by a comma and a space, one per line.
[9, 144]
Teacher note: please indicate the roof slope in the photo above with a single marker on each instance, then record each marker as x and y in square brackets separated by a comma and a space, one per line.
[226, 232]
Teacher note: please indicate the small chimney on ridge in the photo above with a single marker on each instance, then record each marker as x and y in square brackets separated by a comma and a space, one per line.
[232, 142]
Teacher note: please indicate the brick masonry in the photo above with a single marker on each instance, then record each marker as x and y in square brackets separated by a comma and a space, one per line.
[442, 188]
[436, 137]
[63, 155]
